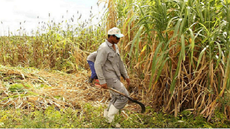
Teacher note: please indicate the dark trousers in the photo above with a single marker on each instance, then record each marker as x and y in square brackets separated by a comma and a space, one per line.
[93, 73]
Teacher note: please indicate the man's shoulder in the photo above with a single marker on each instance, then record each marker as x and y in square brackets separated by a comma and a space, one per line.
[103, 45]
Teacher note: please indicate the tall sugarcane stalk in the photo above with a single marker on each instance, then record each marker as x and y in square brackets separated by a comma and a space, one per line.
[179, 48]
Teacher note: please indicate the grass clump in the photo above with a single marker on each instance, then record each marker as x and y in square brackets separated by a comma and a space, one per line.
[86, 117]
[89, 116]
[18, 87]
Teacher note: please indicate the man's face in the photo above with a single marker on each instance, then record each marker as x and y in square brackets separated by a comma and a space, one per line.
[115, 39]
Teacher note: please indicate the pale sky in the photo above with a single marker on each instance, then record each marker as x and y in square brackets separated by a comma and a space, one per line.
[12, 12]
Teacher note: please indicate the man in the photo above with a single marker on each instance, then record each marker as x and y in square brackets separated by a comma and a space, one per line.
[109, 68]
[91, 59]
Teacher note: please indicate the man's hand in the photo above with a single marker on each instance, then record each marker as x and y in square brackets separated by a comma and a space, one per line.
[128, 81]
[104, 86]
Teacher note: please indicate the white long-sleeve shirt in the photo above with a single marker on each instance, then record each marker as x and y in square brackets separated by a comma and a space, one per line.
[92, 56]
[108, 63]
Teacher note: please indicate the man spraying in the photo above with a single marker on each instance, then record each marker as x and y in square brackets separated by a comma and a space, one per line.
[109, 68]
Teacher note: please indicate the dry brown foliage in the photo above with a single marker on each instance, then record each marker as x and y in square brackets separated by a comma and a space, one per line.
[60, 90]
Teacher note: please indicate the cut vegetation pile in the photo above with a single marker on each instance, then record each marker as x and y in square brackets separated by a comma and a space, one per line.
[32, 89]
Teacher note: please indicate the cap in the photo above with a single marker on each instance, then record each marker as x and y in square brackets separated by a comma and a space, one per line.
[115, 31]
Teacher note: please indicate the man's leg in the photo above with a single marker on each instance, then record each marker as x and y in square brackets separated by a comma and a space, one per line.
[93, 73]
[117, 101]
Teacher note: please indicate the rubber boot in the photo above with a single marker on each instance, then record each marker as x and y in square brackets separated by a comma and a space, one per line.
[111, 114]
[106, 113]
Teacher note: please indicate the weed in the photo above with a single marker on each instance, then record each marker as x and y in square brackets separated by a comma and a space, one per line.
[91, 117]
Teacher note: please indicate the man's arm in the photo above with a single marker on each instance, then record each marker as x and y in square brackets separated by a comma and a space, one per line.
[99, 63]
[123, 71]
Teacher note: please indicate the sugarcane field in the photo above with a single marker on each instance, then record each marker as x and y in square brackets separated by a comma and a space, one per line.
[116, 64]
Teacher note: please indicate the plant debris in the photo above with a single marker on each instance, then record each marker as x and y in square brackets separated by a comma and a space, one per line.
[32, 89]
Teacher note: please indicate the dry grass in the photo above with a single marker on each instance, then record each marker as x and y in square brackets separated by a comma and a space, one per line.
[50, 88]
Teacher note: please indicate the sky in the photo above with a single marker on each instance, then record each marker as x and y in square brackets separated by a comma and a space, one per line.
[30, 12]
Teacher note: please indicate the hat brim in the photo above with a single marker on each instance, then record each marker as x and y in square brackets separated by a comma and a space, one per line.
[119, 35]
